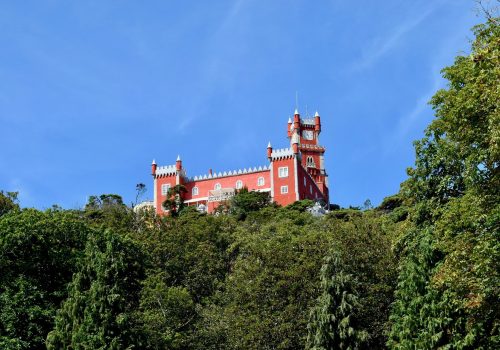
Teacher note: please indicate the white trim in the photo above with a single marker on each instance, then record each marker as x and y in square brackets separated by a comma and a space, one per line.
[262, 190]
[259, 181]
[155, 194]
[271, 166]
[284, 170]
[295, 173]
[164, 189]
[201, 199]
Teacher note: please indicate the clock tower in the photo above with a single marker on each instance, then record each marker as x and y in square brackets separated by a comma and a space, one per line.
[312, 152]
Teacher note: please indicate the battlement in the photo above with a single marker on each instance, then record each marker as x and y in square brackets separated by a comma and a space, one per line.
[282, 153]
[166, 170]
[227, 173]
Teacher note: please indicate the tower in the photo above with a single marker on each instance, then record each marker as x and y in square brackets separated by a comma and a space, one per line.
[307, 131]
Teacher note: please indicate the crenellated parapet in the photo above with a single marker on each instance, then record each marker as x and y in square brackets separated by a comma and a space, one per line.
[166, 170]
[228, 173]
[282, 153]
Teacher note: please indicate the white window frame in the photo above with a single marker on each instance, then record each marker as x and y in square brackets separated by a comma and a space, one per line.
[239, 185]
[284, 189]
[195, 191]
[261, 181]
[164, 189]
[283, 171]
[217, 186]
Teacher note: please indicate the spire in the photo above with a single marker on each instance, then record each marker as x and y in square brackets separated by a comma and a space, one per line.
[178, 158]
[269, 145]
[296, 111]
[316, 114]
[289, 120]
[154, 162]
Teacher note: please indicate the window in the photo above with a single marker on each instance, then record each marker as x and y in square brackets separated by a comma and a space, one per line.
[311, 189]
[217, 186]
[260, 181]
[284, 189]
[310, 162]
[164, 189]
[305, 181]
[195, 191]
[283, 171]
[239, 184]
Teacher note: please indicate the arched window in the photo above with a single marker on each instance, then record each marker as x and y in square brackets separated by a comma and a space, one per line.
[217, 186]
[195, 191]
[239, 184]
[260, 181]
[310, 162]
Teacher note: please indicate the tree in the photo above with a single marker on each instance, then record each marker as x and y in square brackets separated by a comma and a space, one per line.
[38, 256]
[103, 296]
[245, 202]
[174, 202]
[332, 324]
[8, 202]
[448, 291]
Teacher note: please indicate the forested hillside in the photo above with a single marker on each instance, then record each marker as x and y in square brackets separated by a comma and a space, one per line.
[420, 271]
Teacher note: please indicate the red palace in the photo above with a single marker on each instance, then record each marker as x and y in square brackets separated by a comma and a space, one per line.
[293, 173]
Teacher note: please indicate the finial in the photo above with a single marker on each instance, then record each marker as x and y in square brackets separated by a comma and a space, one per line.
[289, 120]
[178, 158]
[316, 114]
[154, 162]
[296, 111]
[269, 145]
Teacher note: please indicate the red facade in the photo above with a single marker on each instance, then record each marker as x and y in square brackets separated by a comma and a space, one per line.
[292, 174]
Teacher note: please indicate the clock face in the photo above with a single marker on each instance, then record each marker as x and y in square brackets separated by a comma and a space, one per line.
[308, 134]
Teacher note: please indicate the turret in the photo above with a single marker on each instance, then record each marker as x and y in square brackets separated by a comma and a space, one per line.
[269, 150]
[289, 128]
[296, 120]
[178, 163]
[317, 122]
[153, 167]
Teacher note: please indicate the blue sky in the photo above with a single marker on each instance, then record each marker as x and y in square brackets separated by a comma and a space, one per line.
[92, 91]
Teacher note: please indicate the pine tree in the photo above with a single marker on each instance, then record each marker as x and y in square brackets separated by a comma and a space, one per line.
[332, 324]
[103, 295]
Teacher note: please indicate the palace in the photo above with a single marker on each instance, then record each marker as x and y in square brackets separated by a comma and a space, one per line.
[293, 173]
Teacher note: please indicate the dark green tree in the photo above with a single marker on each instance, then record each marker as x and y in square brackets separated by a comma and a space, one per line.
[8, 202]
[245, 202]
[103, 296]
[174, 202]
[448, 293]
[38, 256]
[332, 323]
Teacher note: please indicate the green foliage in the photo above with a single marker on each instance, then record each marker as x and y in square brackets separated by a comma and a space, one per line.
[98, 313]
[8, 202]
[332, 323]
[301, 206]
[174, 202]
[108, 210]
[166, 312]
[245, 202]
[448, 294]
[38, 255]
